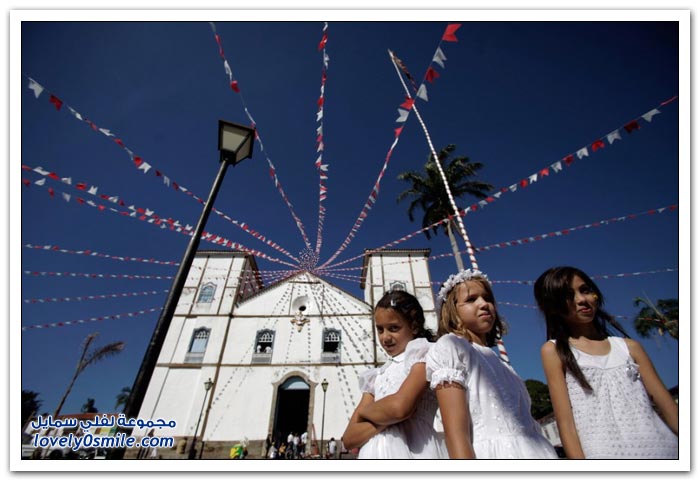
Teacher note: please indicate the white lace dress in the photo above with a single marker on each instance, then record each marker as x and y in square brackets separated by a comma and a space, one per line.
[414, 438]
[617, 420]
[499, 404]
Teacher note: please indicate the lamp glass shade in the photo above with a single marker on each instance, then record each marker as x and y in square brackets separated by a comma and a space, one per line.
[208, 384]
[235, 141]
[324, 385]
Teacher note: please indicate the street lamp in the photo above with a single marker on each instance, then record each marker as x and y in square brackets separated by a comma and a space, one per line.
[324, 386]
[207, 386]
[235, 144]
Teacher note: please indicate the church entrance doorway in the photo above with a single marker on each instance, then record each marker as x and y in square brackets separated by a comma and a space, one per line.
[292, 409]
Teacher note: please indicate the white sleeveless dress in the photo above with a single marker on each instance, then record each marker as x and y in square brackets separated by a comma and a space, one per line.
[499, 404]
[617, 420]
[414, 438]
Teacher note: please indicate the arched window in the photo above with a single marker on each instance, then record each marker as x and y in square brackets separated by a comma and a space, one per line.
[206, 294]
[264, 340]
[198, 345]
[331, 345]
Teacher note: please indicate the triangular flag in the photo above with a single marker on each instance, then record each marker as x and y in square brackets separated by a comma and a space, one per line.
[322, 43]
[569, 159]
[533, 178]
[145, 167]
[439, 58]
[234, 86]
[422, 92]
[613, 136]
[631, 126]
[431, 74]
[581, 153]
[403, 115]
[647, 116]
[40, 182]
[36, 88]
[598, 144]
[449, 35]
[65, 196]
[56, 102]
[408, 103]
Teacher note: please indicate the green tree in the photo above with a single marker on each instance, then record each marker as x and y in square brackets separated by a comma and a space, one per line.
[89, 406]
[123, 397]
[30, 405]
[87, 359]
[539, 395]
[428, 193]
[661, 317]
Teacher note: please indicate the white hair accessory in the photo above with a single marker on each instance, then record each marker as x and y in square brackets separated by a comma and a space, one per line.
[461, 276]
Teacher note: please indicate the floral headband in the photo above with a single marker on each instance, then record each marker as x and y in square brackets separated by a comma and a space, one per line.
[461, 276]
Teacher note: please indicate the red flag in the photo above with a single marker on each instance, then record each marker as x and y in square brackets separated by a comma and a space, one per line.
[56, 102]
[408, 104]
[234, 86]
[634, 125]
[320, 101]
[119, 142]
[51, 192]
[54, 176]
[322, 43]
[449, 35]
[544, 172]
[523, 183]
[397, 132]
[138, 161]
[81, 186]
[431, 74]
[26, 182]
[175, 186]
[598, 144]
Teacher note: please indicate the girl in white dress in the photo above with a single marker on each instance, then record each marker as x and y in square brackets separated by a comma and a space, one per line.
[601, 387]
[394, 419]
[484, 404]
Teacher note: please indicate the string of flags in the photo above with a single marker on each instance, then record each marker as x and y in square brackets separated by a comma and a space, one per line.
[233, 83]
[540, 174]
[529, 306]
[92, 319]
[525, 240]
[95, 276]
[320, 166]
[169, 223]
[409, 104]
[91, 253]
[404, 111]
[138, 162]
[91, 297]
[355, 278]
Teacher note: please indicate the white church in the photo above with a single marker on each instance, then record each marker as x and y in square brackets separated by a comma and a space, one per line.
[266, 351]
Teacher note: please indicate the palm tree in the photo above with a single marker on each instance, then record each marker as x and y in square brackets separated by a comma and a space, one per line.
[123, 397]
[428, 192]
[662, 317]
[87, 359]
[30, 405]
[89, 406]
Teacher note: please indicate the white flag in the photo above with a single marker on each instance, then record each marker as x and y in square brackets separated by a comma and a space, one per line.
[582, 153]
[439, 57]
[613, 136]
[403, 115]
[422, 92]
[647, 116]
[36, 88]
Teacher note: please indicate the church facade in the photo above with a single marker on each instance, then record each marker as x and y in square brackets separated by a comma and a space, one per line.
[242, 361]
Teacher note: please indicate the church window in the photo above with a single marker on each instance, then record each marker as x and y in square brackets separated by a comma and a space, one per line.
[331, 345]
[198, 345]
[263, 346]
[397, 286]
[206, 294]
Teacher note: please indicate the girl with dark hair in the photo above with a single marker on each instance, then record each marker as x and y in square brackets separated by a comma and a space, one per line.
[602, 387]
[394, 419]
[484, 404]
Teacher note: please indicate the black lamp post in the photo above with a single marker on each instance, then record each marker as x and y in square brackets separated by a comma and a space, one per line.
[193, 450]
[235, 144]
[324, 386]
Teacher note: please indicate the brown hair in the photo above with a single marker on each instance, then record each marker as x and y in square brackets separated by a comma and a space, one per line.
[410, 310]
[450, 322]
[553, 293]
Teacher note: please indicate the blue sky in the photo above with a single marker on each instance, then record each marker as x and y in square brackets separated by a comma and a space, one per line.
[515, 96]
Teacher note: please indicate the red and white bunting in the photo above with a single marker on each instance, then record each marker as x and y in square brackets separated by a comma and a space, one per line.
[92, 297]
[95, 276]
[91, 253]
[138, 162]
[92, 319]
[175, 226]
[320, 166]
[273, 171]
